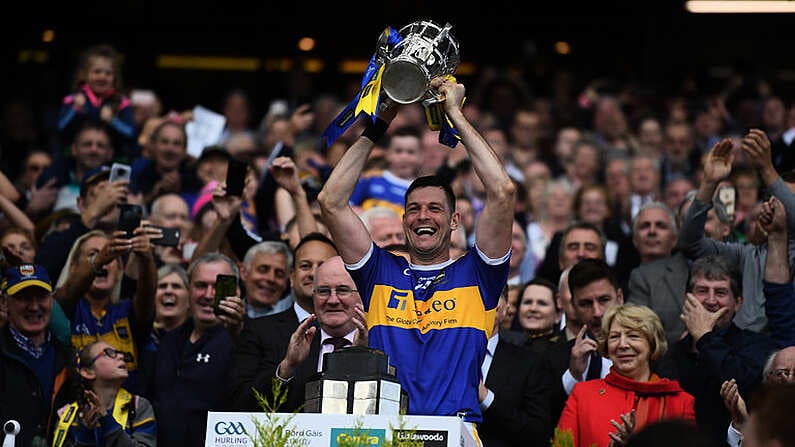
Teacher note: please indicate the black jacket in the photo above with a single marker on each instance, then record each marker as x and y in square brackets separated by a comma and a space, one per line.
[519, 414]
[262, 346]
[21, 395]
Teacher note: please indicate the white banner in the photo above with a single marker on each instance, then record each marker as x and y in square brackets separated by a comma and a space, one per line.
[327, 430]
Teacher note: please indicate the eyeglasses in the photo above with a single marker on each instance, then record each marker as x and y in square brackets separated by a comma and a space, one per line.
[109, 353]
[341, 291]
[784, 374]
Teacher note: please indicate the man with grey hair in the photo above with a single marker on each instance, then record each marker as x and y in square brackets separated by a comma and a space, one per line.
[171, 211]
[659, 281]
[384, 225]
[266, 273]
[193, 360]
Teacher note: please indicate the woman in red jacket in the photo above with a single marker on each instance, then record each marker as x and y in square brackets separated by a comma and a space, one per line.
[606, 411]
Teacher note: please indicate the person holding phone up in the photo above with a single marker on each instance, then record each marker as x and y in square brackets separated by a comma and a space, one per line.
[193, 360]
[90, 291]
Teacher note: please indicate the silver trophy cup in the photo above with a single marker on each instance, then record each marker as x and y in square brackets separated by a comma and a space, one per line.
[426, 51]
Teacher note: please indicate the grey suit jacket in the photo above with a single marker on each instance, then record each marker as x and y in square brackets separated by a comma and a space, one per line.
[661, 286]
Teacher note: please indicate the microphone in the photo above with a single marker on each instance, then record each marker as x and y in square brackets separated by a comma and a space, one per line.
[11, 429]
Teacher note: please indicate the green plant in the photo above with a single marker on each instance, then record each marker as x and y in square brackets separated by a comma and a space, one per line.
[564, 438]
[275, 430]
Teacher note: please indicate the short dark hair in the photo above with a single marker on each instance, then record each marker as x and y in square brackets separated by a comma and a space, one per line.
[716, 267]
[543, 282]
[433, 181]
[586, 271]
[313, 236]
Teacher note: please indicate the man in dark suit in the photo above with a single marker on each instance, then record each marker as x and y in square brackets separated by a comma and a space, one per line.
[514, 397]
[594, 290]
[265, 340]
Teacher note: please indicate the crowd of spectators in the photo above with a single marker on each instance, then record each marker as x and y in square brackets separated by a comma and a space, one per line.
[687, 200]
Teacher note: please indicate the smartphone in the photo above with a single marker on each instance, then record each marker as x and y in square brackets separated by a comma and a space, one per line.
[170, 236]
[129, 218]
[236, 177]
[119, 171]
[225, 286]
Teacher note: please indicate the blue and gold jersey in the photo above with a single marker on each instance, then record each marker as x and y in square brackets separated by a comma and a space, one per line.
[116, 326]
[380, 188]
[434, 323]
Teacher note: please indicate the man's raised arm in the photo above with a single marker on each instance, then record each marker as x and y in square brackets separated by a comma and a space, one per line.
[493, 231]
[347, 230]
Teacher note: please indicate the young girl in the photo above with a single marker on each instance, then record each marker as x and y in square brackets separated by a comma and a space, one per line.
[97, 95]
[106, 414]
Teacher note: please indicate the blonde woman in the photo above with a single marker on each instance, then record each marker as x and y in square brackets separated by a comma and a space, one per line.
[605, 412]
[90, 292]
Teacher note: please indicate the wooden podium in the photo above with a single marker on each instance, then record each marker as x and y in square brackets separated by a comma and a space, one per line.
[233, 429]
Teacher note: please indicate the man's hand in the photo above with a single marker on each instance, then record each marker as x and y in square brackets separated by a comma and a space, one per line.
[482, 391]
[773, 216]
[734, 403]
[359, 319]
[232, 310]
[756, 146]
[452, 92]
[285, 174]
[718, 164]
[582, 349]
[225, 205]
[697, 319]
[298, 348]
[105, 197]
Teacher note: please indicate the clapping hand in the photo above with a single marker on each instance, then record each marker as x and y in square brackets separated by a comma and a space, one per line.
[360, 321]
[734, 402]
[623, 430]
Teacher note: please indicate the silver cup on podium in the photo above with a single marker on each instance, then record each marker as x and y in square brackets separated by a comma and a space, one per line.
[426, 51]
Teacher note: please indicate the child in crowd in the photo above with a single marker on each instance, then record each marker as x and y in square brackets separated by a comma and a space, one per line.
[97, 95]
[105, 414]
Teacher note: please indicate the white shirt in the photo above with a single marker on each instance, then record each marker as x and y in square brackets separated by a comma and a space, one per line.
[568, 379]
[484, 369]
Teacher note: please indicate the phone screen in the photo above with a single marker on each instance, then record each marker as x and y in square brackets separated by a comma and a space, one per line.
[236, 177]
[225, 286]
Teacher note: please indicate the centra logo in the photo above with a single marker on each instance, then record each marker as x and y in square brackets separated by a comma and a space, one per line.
[429, 438]
[229, 428]
[363, 437]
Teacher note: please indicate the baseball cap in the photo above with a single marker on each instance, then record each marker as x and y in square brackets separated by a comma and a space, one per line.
[26, 275]
[93, 176]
